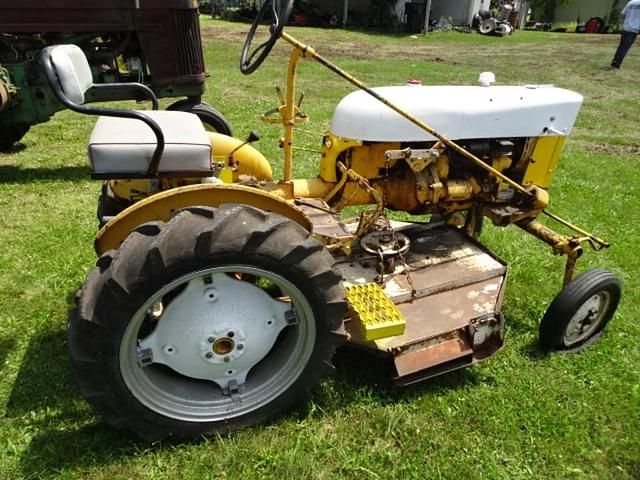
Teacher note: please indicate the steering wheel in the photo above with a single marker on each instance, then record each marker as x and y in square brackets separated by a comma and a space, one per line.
[249, 62]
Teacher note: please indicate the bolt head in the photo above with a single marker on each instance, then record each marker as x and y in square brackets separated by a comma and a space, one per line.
[208, 354]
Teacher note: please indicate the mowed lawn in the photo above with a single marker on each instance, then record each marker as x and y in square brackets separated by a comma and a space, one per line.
[520, 414]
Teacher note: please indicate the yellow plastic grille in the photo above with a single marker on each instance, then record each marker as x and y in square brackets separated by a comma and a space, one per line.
[373, 312]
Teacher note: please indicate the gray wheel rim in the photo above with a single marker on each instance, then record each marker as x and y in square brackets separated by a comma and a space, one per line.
[587, 319]
[179, 397]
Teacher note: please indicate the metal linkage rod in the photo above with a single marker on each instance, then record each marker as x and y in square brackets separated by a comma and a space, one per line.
[309, 52]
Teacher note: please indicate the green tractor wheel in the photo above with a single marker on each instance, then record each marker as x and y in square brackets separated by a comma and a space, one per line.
[211, 118]
[10, 134]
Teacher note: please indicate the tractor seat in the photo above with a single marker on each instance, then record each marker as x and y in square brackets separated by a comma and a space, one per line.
[129, 143]
[125, 145]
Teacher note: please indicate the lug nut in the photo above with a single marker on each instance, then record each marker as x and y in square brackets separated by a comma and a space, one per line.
[208, 354]
[211, 339]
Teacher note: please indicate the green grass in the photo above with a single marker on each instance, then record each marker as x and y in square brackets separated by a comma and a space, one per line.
[517, 415]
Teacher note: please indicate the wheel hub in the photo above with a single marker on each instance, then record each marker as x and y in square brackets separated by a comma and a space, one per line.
[223, 346]
[586, 320]
[216, 329]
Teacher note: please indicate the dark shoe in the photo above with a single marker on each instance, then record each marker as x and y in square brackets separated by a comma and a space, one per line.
[616, 66]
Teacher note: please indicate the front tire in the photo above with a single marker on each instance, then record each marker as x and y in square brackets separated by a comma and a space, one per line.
[579, 313]
[218, 319]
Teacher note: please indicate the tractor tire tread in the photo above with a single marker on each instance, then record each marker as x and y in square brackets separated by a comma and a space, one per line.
[191, 235]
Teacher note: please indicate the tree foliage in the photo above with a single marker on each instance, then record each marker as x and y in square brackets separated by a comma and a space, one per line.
[547, 8]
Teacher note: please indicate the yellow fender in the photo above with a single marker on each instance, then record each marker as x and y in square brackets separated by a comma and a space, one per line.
[162, 205]
[246, 159]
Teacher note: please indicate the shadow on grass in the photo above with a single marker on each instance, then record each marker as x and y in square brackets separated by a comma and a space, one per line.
[6, 345]
[51, 451]
[13, 174]
[361, 376]
[15, 148]
[64, 440]
[44, 380]
[533, 351]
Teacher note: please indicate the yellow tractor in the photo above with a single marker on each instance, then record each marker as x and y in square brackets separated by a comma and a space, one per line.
[220, 294]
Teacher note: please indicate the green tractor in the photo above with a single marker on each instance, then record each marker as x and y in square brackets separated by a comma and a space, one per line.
[154, 43]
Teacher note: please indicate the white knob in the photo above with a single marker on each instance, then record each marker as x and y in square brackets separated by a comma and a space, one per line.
[486, 78]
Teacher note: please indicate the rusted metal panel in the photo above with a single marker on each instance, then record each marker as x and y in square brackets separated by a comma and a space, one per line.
[418, 360]
[455, 281]
[487, 335]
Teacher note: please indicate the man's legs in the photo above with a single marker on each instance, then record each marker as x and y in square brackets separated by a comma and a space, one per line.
[626, 40]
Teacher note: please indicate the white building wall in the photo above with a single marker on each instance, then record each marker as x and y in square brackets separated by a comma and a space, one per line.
[460, 12]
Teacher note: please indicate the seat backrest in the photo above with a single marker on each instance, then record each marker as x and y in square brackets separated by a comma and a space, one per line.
[72, 69]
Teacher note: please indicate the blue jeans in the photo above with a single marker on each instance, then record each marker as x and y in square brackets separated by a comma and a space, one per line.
[626, 40]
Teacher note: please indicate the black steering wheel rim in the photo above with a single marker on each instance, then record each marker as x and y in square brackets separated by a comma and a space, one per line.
[248, 62]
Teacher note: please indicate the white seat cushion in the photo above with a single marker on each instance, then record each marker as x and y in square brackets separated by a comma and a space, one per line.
[124, 145]
[73, 71]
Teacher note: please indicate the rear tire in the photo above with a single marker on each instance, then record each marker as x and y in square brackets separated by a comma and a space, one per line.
[170, 320]
[579, 313]
[10, 134]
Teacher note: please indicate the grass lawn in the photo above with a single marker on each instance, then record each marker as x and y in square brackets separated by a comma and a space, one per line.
[517, 415]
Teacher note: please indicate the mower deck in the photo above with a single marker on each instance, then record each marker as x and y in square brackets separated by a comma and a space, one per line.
[453, 315]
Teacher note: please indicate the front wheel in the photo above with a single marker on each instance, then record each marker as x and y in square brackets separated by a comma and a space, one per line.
[579, 313]
[218, 319]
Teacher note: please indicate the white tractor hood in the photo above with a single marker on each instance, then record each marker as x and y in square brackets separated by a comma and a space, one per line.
[459, 112]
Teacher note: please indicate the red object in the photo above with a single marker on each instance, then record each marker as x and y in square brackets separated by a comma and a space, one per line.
[300, 19]
[414, 81]
[594, 25]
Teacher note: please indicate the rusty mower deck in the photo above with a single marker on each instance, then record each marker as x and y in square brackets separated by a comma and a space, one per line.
[449, 290]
